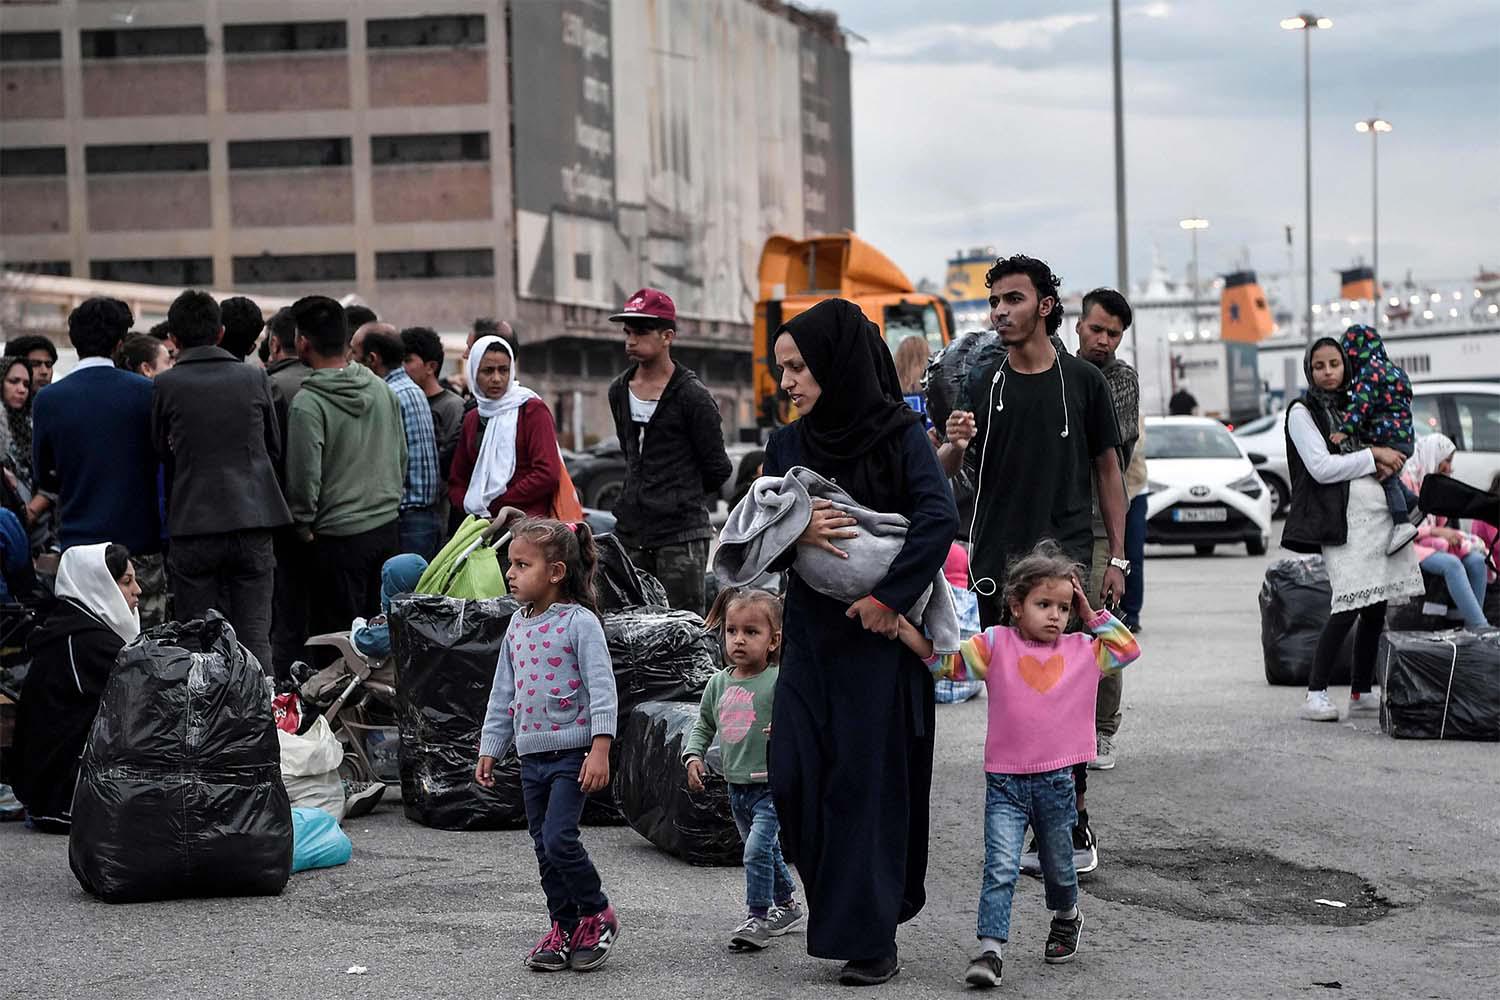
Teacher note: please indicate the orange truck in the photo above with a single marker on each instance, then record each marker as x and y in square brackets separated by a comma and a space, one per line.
[796, 275]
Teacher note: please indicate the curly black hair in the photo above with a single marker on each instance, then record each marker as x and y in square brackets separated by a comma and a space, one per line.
[98, 325]
[1042, 279]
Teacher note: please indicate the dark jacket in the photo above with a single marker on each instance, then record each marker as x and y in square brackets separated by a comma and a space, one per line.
[1318, 514]
[72, 654]
[214, 424]
[680, 461]
[92, 446]
[286, 377]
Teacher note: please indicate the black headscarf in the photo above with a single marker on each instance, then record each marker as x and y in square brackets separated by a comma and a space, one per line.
[20, 423]
[1327, 405]
[854, 432]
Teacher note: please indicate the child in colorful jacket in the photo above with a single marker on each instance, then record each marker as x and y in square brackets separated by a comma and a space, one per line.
[1380, 414]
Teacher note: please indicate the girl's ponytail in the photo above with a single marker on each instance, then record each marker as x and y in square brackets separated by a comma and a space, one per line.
[580, 579]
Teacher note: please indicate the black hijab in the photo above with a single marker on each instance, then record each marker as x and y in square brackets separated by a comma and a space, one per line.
[854, 432]
[1326, 405]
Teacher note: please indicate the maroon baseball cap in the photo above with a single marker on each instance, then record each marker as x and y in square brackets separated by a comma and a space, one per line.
[648, 303]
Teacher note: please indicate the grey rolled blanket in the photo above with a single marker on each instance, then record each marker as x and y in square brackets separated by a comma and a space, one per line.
[772, 516]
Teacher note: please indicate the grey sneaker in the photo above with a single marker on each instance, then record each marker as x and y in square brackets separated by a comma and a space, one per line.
[1364, 704]
[1104, 753]
[985, 971]
[752, 935]
[784, 919]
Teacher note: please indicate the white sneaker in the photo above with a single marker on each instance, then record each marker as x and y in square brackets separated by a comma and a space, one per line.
[1365, 704]
[1402, 535]
[1104, 753]
[1317, 708]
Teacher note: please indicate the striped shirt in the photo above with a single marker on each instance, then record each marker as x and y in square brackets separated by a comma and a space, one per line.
[423, 480]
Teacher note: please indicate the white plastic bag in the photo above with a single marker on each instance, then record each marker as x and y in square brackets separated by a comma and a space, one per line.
[310, 768]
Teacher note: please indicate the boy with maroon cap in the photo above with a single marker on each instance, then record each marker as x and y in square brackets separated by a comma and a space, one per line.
[669, 430]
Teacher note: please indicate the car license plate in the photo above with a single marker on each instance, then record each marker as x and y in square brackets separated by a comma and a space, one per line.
[1200, 514]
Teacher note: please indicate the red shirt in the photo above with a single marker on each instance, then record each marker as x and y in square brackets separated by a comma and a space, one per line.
[538, 463]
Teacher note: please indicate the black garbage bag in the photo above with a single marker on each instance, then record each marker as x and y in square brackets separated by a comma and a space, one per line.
[697, 827]
[659, 655]
[180, 792]
[1295, 602]
[1432, 611]
[1441, 685]
[617, 583]
[1457, 499]
[446, 650]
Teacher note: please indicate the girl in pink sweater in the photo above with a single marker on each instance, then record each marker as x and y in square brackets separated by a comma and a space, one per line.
[1042, 685]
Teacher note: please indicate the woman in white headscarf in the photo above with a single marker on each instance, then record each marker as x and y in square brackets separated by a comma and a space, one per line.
[507, 451]
[1444, 551]
[72, 654]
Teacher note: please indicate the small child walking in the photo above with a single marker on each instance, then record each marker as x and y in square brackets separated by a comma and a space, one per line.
[1380, 414]
[1042, 685]
[737, 706]
[554, 696]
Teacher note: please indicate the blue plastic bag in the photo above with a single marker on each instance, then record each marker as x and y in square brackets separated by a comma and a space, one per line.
[317, 841]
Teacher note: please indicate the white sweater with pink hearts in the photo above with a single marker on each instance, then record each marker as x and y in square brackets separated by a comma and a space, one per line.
[554, 684]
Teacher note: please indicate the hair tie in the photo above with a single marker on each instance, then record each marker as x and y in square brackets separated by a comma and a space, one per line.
[574, 525]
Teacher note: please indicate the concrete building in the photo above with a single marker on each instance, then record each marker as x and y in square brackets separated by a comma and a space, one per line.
[535, 160]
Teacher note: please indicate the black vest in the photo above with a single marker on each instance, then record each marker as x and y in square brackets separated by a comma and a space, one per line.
[1319, 513]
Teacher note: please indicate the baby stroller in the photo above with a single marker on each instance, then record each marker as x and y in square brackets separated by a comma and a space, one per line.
[357, 695]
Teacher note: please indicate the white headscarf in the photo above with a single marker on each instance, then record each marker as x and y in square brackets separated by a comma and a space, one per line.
[84, 577]
[496, 463]
[1430, 452]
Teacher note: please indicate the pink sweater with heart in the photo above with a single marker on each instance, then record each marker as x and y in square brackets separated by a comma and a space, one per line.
[1042, 695]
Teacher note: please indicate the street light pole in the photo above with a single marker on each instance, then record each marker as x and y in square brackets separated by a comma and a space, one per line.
[1122, 255]
[1193, 226]
[1307, 23]
[1375, 126]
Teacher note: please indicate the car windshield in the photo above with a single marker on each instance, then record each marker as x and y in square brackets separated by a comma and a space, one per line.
[1190, 441]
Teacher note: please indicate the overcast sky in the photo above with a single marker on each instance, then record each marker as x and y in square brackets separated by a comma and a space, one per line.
[987, 122]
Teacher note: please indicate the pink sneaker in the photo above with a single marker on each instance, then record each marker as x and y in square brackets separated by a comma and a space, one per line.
[551, 952]
[593, 939]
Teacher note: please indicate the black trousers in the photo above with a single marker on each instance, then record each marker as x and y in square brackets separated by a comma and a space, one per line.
[346, 576]
[289, 603]
[1371, 622]
[233, 573]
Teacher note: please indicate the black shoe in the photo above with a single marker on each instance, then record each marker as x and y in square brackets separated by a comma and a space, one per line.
[985, 971]
[871, 971]
[1062, 942]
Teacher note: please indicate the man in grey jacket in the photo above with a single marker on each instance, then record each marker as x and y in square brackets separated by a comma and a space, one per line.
[214, 425]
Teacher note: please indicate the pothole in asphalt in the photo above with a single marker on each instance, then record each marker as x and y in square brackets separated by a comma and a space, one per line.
[1215, 883]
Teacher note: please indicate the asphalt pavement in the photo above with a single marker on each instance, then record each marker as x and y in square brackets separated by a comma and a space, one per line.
[1226, 819]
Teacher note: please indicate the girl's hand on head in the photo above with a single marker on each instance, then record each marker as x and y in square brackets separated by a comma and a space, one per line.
[695, 774]
[826, 525]
[594, 774]
[1081, 601]
[484, 772]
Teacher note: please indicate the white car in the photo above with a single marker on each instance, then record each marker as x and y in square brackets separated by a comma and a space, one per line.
[1468, 412]
[1201, 488]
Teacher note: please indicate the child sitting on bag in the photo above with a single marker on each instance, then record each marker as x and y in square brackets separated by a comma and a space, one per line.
[737, 706]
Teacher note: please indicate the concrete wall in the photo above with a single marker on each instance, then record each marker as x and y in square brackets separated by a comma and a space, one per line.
[128, 202]
[32, 90]
[33, 205]
[422, 77]
[306, 196]
[130, 88]
[431, 192]
[290, 82]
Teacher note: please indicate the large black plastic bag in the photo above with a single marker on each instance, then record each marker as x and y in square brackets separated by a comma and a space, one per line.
[180, 791]
[659, 655]
[1295, 602]
[1441, 685]
[619, 583]
[446, 650]
[1428, 612]
[697, 827]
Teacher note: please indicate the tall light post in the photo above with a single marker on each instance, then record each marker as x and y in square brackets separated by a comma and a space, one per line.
[1194, 226]
[1122, 256]
[1307, 24]
[1375, 126]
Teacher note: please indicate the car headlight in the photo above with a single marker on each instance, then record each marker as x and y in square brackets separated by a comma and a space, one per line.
[1152, 486]
[1250, 485]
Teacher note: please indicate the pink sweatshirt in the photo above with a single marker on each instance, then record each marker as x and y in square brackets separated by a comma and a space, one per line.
[1042, 694]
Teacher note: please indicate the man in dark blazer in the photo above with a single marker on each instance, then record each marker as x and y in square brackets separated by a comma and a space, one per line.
[214, 424]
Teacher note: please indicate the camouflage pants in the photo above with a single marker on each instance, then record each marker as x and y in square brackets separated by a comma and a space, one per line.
[151, 574]
[680, 567]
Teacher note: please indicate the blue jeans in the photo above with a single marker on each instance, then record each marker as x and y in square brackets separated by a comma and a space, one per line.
[1135, 551]
[421, 530]
[554, 804]
[1048, 803]
[1466, 583]
[767, 878]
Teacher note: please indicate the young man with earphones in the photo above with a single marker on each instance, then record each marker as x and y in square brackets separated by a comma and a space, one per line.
[1039, 437]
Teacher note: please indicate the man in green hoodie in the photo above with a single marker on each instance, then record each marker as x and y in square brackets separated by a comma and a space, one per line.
[345, 465]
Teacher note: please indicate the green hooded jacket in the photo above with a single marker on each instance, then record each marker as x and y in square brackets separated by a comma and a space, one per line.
[346, 452]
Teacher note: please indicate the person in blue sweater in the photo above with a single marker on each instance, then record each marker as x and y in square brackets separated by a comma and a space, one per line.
[91, 446]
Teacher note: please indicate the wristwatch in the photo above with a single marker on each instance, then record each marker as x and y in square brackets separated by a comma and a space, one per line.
[1123, 565]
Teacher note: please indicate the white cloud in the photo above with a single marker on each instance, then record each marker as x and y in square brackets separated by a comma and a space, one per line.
[932, 40]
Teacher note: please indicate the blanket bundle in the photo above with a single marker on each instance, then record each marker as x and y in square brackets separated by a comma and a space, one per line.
[766, 524]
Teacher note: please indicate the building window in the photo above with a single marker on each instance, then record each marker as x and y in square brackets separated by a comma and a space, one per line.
[418, 32]
[40, 161]
[144, 43]
[30, 46]
[185, 271]
[405, 265]
[290, 269]
[294, 36]
[441, 148]
[277, 154]
[153, 158]
[56, 268]
[583, 266]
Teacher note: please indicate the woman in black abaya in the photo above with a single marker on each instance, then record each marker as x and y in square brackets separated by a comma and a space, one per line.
[852, 740]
